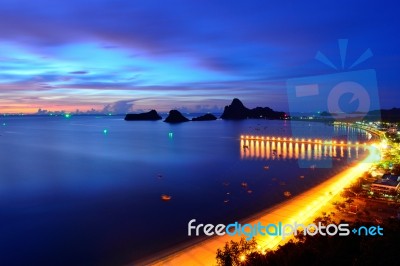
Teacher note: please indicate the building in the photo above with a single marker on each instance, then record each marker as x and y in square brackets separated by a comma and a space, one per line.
[392, 130]
[387, 184]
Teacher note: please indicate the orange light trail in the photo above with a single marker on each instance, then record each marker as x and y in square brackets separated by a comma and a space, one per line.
[302, 208]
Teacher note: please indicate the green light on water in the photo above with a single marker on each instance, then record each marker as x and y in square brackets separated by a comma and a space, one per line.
[170, 135]
[105, 131]
[67, 115]
[109, 114]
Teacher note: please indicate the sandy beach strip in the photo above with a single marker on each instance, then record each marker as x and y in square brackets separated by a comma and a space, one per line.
[303, 209]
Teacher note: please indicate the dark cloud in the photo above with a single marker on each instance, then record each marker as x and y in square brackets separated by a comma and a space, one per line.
[79, 72]
[120, 107]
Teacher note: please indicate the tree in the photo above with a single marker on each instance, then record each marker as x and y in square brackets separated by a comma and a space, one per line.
[335, 250]
[235, 253]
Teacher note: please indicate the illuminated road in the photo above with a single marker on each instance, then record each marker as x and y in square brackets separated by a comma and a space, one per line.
[301, 209]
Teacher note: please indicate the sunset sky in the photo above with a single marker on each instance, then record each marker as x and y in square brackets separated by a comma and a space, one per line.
[124, 55]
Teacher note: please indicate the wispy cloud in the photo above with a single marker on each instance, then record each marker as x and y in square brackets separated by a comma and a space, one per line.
[120, 107]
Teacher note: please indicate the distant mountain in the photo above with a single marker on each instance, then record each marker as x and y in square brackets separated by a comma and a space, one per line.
[386, 115]
[149, 116]
[326, 114]
[236, 111]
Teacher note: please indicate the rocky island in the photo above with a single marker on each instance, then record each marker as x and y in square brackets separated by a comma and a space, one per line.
[206, 117]
[149, 116]
[175, 117]
[236, 111]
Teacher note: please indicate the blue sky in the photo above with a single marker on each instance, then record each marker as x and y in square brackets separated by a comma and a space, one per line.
[190, 55]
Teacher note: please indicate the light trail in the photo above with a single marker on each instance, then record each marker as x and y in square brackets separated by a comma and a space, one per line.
[302, 208]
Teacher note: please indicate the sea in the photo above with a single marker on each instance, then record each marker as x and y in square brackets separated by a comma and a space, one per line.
[87, 190]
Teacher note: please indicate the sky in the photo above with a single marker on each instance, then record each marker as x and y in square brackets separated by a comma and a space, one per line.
[192, 55]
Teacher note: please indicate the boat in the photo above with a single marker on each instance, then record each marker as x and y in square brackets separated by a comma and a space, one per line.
[165, 197]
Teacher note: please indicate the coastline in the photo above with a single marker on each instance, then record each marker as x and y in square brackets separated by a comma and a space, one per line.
[301, 208]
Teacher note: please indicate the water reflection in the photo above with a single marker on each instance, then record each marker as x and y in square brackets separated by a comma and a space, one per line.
[352, 131]
[277, 150]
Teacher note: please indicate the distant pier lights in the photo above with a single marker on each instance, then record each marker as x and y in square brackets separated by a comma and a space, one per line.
[302, 140]
[273, 147]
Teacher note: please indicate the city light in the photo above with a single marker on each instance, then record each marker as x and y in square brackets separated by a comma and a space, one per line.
[298, 140]
[291, 150]
[308, 205]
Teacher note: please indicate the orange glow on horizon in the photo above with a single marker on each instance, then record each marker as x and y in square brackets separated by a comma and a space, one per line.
[26, 109]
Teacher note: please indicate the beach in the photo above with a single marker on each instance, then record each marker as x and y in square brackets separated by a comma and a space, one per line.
[302, 209]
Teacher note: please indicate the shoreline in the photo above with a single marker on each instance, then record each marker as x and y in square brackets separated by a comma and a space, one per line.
[300, 209]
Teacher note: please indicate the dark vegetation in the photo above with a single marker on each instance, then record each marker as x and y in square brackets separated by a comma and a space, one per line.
[320, 250]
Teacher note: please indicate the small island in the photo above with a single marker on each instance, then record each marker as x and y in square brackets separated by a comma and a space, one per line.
[175, 117]
[206, 117]
[149, 116]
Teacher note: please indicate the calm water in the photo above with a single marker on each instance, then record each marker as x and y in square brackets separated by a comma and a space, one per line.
[71, 194]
